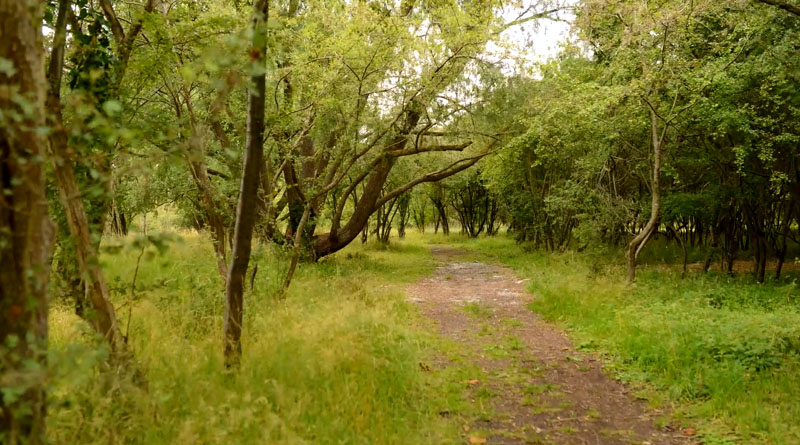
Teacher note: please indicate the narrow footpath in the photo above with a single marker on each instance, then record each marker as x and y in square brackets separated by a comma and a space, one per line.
[539, 388]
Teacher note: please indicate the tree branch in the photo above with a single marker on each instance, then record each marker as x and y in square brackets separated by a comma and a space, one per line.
[432, 148]
[450, 170]
[782, 5]
[111, 16]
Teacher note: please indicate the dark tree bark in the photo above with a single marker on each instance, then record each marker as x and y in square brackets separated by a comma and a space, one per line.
[419, 213]
[385, 216]
[781, 245]
[403, 214]
[248, 191]
[26, 232]
[438, 200]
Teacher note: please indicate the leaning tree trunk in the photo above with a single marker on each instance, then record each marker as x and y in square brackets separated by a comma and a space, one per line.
[248, 191]
[102, 318]
[638, 242]
[26, 232]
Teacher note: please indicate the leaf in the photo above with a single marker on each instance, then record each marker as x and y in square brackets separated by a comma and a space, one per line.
[112, 107]
[7, 67]
[474, 439]
[689, 432]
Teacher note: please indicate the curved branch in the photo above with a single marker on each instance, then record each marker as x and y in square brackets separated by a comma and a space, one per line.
[782, 5]
[432, 148]
[450, 170]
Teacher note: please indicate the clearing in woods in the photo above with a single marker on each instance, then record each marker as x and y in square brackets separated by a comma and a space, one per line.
[538, 388]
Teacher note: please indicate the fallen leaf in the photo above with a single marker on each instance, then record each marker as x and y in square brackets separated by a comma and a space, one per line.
[477, 440]
[473, 381]
[565, 348]
[689, 431]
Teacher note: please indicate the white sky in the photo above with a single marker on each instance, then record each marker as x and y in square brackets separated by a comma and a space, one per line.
[535, 42]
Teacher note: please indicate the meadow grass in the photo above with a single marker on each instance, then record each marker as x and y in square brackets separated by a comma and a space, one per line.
[339, 361]
[723, 352]
[346, 359]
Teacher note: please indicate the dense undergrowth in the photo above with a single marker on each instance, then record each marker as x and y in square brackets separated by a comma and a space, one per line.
[336, 362]
[721, 350]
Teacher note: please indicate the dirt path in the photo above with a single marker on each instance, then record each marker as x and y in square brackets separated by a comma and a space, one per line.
[537, 387]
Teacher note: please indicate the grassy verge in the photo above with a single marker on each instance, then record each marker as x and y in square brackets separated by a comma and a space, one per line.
[339, 361]
[723, 351]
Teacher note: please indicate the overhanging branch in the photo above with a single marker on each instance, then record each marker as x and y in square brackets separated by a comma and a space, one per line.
[450, 170]
[431, 148]
[783, 5]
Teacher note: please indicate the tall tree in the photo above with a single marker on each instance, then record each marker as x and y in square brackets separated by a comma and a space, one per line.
[102, 316]
[248, 190]
[25, 229]
[645, 49]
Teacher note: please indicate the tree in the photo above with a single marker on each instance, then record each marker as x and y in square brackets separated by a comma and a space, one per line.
[26, 232]
[245, 210]
[100, 94]
[373, 112]
[642, 45]
[675, 124]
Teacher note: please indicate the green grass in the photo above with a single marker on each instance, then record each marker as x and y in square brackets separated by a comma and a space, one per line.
[339, 361]
[345, 359]
[724, 352]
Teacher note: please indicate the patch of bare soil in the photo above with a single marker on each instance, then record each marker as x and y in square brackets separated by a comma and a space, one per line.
[541, 389]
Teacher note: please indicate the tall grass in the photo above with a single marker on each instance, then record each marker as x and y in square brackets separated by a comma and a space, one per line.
[336, 362]
[724, 351]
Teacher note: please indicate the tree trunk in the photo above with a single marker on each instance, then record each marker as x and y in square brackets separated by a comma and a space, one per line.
[102, 318]
[248, 190]
[297, 249]
[638, 242]
[780, 251]
[26, 232]
[328, 243]
[403, 213]
[712, 250]
[760, 246]
[123, 224]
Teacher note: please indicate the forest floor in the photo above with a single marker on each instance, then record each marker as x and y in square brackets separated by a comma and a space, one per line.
[536, 386]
